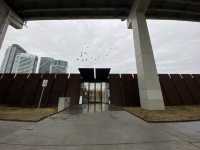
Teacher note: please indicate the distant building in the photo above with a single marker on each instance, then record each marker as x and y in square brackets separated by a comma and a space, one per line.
[9, 58]
[49, 65]
[45, 63]
[59, 66]
[25, 63]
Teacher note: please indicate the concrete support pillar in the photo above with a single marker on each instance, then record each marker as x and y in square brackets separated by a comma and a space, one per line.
[8, 17]
[149, 86]
[4, 22]
[3, 29]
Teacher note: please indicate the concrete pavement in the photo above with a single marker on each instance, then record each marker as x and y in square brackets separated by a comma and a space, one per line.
[109, 130]
[8, 127]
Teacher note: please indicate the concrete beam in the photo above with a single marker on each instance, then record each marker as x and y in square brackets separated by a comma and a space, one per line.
[149, 87]
[139, 6]
[15, 21]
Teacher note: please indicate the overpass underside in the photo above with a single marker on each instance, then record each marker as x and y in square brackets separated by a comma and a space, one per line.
[16, 12]
[112, 9]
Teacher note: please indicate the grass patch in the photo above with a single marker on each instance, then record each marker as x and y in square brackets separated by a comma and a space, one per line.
[171, 114]
[25, 114]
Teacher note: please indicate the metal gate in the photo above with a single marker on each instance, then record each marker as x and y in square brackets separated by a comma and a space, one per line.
[95, 93]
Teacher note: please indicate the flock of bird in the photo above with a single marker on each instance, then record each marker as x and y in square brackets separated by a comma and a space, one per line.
[85, 57]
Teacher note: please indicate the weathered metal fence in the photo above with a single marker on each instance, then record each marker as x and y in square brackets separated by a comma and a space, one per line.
[25, 89]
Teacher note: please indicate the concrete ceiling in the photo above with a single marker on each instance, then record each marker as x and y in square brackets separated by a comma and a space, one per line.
[103, 9]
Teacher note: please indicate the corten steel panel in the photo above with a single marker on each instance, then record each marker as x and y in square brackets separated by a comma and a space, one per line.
[1, 83]
[130, 90]
[136, 91]
[193, 88]
[163, 93]
[47, 90]
[6, 84]
[169, 90]
[125, 78]
[197, 79]
[16, 92]
[74, 88]
[58, 90]
[124, 86]
[183, 91]
[116, 95]
[33, 83]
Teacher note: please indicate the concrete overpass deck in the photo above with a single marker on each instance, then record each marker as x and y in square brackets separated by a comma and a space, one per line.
[103, 9]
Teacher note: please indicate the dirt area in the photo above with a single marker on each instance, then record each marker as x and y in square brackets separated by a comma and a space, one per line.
[171, 114]
[25, 114]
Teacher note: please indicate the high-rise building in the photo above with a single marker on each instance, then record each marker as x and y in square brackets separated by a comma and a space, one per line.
[9, 58]
[49, 65]
[25, 63]
[59, 66]
[45, 63]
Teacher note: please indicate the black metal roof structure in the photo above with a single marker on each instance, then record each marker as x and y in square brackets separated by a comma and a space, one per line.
[87, 74]
[188, 10]
[102, 74]
[94, 75]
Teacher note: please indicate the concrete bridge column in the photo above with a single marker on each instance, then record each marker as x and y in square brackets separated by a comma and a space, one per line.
[4, 22]
[149, 87]
[8, 17]
[3, 28]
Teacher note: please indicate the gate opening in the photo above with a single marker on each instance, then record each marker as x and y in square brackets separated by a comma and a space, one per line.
[95, 86]
[95, 93]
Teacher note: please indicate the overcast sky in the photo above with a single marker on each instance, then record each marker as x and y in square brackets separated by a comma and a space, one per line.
[108, 43]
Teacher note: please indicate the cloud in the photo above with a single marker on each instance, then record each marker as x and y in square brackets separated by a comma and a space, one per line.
[109, 43]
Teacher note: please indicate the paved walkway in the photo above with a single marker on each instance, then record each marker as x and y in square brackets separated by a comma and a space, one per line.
[110, 130]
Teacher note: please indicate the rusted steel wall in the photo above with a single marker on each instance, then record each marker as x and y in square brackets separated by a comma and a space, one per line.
[25, 89]
[116, 96]
[196, 79]
[74, 88]
[193, 88]
[124, 90]
[182, 89]
[130, 90]
[31, 88]
[5, 85]
[58, 90]
[169, 91]
[15, 92]
[177, 89]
